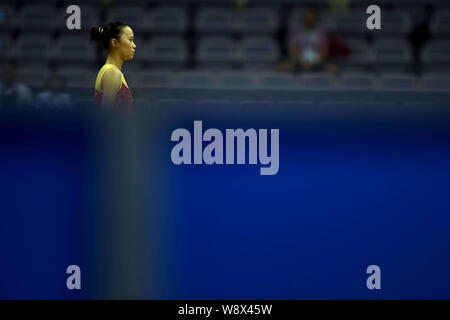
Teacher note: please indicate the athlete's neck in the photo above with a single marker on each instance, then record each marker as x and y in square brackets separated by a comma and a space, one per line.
[115, 60]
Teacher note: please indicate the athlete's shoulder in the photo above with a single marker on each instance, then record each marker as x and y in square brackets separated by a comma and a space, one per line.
[109, 74]
[112, 78]
[112, 72]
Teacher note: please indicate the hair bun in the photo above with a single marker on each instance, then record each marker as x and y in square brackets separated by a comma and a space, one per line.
[97, 34]
[102, 34]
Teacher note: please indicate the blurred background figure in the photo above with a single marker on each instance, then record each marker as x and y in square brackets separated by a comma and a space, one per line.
[240, 5]
[420, 35]
[338, 7]
[55, 96]
[308, 45]
[12, 92]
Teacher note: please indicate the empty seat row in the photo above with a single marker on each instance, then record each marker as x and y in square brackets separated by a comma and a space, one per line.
[440, 25]
[168, 18]
[162, 19]
[207, 20]
[353, 22]
[224, 52]
[84, 77]
[281, 81]
[44, 17]
[164, 52]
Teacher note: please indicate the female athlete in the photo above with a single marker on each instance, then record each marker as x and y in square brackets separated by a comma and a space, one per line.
[111, 88]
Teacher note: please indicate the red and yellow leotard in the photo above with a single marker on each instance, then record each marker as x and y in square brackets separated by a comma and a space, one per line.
[124, 98]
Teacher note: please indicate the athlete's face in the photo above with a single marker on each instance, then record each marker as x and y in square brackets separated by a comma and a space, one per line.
[126, 45]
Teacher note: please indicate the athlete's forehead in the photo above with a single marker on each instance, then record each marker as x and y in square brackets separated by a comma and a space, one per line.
[127, 32]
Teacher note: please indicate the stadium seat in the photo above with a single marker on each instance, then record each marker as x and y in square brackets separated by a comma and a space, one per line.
[359, 58]
[391, 55]
[259, 21]
[398, 81]
[294, 19]
[352, 23]
[439, 50]
[133, 15]
[34, 77]
[440, 25]
[352, 81]
[134, 66]
[32, 49]
[278, 81]
[168, 20]
[133, 80]
[74, 49]
[36, 18]
[216, 53]
[196, 80]
[236, 80]
[436, 82]
[166, 52]
[394, 23]
[5, 45]
[259, 52]
[317, 81]
[436, 56]
[79, 77]
[215, 21]
[156, 79]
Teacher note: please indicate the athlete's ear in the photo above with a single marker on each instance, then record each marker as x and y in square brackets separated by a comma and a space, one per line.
[115, 43]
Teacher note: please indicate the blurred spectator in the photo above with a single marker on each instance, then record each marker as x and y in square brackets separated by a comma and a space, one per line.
[240, 6]
[420, 34]
[12, 92]
[55, 97]
[338, 7]
[308, 46]
[337, 47]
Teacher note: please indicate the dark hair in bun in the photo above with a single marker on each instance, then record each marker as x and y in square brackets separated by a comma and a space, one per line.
[103, 34]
